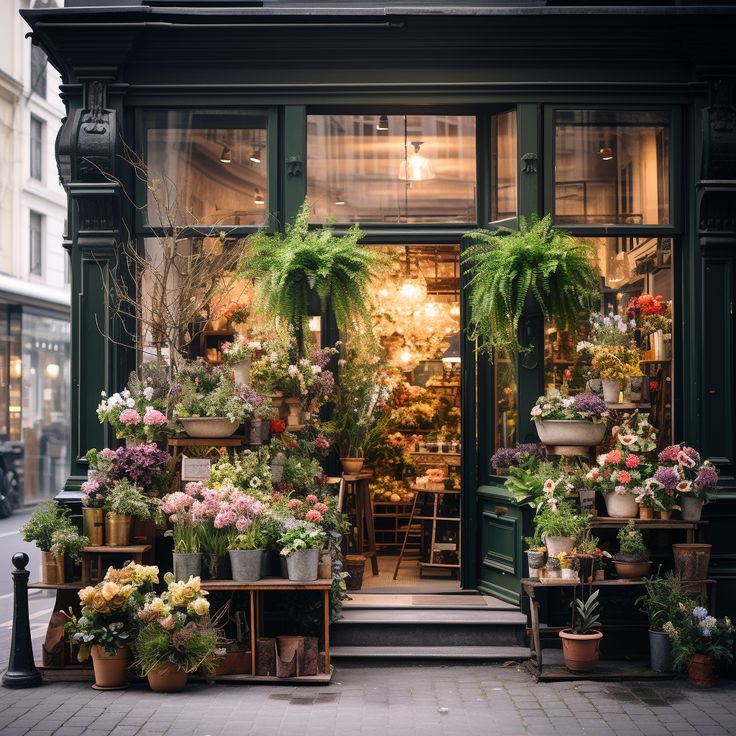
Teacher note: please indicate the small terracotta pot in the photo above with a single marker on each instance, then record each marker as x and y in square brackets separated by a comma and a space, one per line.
[666, 515]
[632, 570]
[645, 512]
[701, 671]
[580, 651]
[118, 529]
[111, 671]
[167, 678]
[52, 568]
[352, 465]
[600, 575]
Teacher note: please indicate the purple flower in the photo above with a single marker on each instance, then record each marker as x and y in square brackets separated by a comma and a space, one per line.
[532, 448]
[706, 478]
[505, 457]
[668, 477]
[590, 405]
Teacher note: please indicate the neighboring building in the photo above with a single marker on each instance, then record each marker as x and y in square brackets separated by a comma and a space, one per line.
[34, 267]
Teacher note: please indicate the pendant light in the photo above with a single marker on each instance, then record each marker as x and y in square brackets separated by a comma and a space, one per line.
[415, 167]
[255, 156]
[258, 197]
[382, 123]
[225, 156]
[605, 151]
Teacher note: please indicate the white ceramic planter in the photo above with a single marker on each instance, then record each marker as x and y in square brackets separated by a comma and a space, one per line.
[571, 432]
[611, 390]
[556, 545]
[621, 506]
[209, 427]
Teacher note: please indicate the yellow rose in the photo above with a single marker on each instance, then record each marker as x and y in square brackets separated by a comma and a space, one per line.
[156, 605]
[85, 595]
[109, 590]
[201, 606]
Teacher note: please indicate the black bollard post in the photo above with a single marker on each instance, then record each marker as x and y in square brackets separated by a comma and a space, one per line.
[22, 671]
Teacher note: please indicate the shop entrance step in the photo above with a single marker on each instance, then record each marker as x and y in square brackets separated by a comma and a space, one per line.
[456, 653]
[424, 600]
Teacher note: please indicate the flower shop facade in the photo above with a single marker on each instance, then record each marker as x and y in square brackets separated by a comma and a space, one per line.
[423, 124]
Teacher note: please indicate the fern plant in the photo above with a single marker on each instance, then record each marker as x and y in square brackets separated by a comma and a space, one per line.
[287, 266]
[554, 267]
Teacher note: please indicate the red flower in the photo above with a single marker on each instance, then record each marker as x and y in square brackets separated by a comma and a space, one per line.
[653, 386]
[278, 426]
[623, 477]
[613, 457]
[632, 461]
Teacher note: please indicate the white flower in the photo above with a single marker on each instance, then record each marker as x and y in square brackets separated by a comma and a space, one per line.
[316, 370]
[536, 411]
[148, 393]
[200, 606]
[293, 370]
[126, 394]
[130, 403]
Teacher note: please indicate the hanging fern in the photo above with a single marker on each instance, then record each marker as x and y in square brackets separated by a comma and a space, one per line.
[550, 265]
[287, 266]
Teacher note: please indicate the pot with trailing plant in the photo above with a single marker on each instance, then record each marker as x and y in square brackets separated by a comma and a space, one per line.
[301, 545]
[581, 642]
[700, 643]
[536, 263]
[53, 532]
[176, 636]
[559, 526]
[573, 421]
[632, 559]
[109, 622]
[662, 601]
[125, 501]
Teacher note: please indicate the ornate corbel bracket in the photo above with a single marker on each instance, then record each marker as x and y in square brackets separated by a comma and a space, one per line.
[529, 163]
[294, 166]
[98, 217]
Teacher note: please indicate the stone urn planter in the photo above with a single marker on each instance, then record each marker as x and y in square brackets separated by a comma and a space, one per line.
[580, 651]
[246, 564]
[209, 427]
[303, 564]
[578, 433]
[621, 505]
[111, 670]
[691, 507]
[352, 465]
[167, 678]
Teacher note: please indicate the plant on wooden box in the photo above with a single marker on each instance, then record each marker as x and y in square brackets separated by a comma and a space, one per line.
[536, 261]
[581, 642]
[570, 420]
[700, 643]
[661, 602]
[559, 526]
[176, 636]
[53, 532]
[300, 545]
[109, 622]
[632, 559]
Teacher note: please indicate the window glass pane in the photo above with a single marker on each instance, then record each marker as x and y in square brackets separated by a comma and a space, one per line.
[611, 167]
[503, 166]
[506, 409]
[630, 267]
[38, 70]
[207, 168]
[35, 237]
[391, 168]
[36, 148]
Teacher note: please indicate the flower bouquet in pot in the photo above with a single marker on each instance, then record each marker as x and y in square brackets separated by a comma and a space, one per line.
[300, 545]
[54, 533]
[700, 643]
[576, 420]
[109, 622]
[506, 458]
[124, 502]
[613, 364]
[632, 559]
[176, 636]
[682, 472]
[581, 642]
[620, 476]
[238, 355]
[178, 508]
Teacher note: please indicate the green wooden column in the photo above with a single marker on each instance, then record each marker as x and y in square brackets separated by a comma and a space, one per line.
[294, 165]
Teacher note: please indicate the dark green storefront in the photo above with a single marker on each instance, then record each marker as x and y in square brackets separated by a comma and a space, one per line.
[128, 63]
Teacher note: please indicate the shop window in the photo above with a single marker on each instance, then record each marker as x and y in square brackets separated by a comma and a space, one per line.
[36, 156]
[506, 411]
[612, 167]
[392, 168]
[630, 267]
[35, 243]
[504, 166]
[207, 168]
[38, 70]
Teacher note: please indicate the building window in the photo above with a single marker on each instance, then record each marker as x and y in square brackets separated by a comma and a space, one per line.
[37, 126]
[392, 168]
[38, 70]
[206, 168]
[503, 166]
[35, 248]
[612, 167]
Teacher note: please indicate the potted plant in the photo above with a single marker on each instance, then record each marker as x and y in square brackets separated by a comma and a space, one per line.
[619, 476]
[109, 622]
[681, 465]
[700, 643]
[612, 364]
[186, 556]
[586, 553]
[581, 642]
[632, 559]
[176, 636]
[559, 527]
[301, 545]
[247, 545]
[661, 602]
[55, 535]
[125, 501]
[577, 420]
[289, 267]
[237, 356]
[538, 262]
[536, 555]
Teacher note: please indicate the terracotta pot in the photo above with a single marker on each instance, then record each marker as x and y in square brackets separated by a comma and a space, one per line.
[294, 419]
[666, 515]
[580, 650]
[621, 505]
[209, 427]
[570, 432]
[118, 529]
[632, 570]
[701, 671]
[111, 671]
[52, 568]
[167, 678]
[645, 512]
[352, 465]
[93, 525]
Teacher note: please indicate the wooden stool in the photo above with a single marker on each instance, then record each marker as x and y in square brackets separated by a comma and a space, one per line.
[357, 485]
[134, 552]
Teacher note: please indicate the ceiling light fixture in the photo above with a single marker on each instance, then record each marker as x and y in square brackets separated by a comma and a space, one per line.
[605, 151]
[258, 198]
[225, 156]
[415, 167]
[255, 157]
[382, 123]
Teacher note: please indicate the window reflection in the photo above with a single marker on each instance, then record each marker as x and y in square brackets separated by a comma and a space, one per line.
[611, 167]
[506, 411]
[207, 168]
[391, 168]
[503, 165]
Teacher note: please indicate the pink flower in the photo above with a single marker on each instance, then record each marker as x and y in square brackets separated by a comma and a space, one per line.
[193, 488]
[90, 486]
[314, 516]
[176, 502]
[311, 498]
[295, 503]
[226, 516]
[241, 524]
[129, 417]
[321, 507]
[107, 453]
[154, 418]
[623, 477]
[669, 454]
[632, 461]
[277, 495]
[321, 443]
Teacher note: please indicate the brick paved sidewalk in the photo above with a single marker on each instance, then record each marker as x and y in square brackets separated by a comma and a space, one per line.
[385, 701]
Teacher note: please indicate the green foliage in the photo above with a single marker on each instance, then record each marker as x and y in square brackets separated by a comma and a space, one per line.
[631, 544]
[127, 499]
[662, 599]
[68, 541]
[538, 260]
[47, 519]
[585, 616]
[563, 522]
[287, 266]
[254, 537]
[693, 631]
[303, 535]
[526, 481]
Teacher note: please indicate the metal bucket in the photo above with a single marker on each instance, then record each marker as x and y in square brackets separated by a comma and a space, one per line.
[94, 525]
[246, 564]
[660, 651]
[186, 565]
[303, 564]
[118, 529]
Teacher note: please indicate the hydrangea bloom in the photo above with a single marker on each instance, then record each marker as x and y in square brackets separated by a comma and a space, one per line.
[668, 477]
[129, 417]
